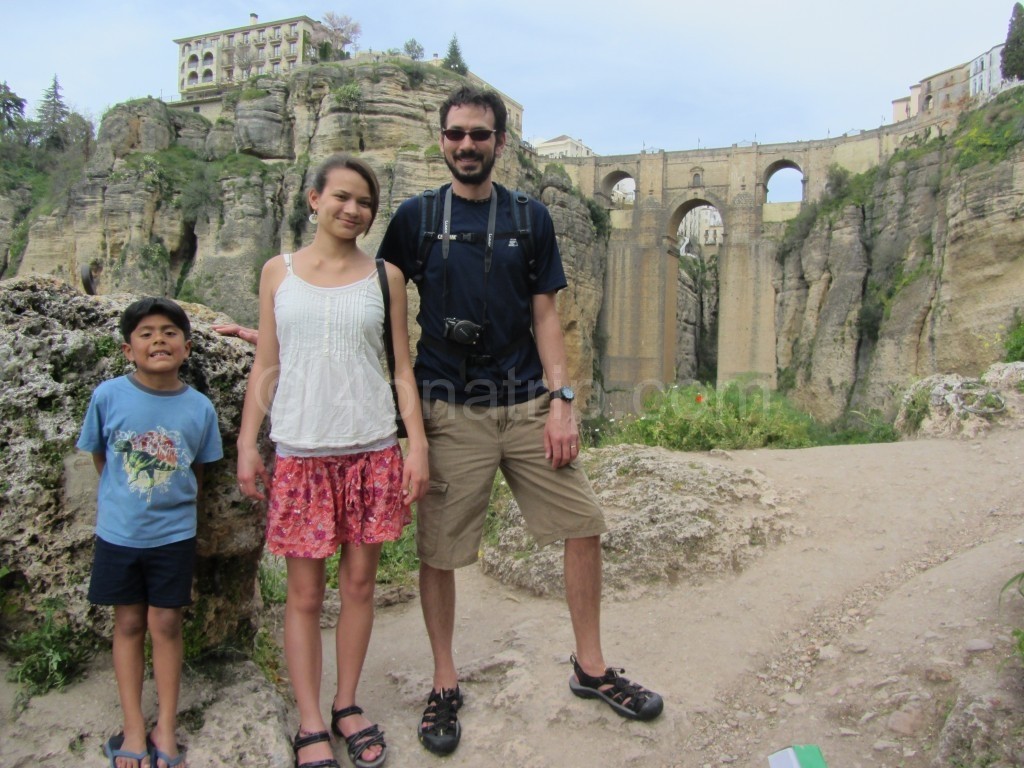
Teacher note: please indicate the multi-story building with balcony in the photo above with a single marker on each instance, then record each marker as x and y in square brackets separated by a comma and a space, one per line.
[211, 62]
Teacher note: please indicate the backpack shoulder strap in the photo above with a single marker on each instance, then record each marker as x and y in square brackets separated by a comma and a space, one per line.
[524, 230]
[389, 349]
[428, 233]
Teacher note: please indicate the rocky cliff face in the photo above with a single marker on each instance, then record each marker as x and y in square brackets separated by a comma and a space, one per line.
[923, 276]
[172, 204]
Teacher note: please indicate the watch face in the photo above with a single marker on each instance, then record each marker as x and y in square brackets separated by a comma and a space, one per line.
[566, 393]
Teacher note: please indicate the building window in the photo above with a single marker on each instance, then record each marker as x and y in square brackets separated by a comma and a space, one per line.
[277, 33]
[277, 52]
[231, 39]
[696, 180]
[229, 75]
[195, 109]
[293, 48]
[276, 67]
[207, 76]
[245, 38]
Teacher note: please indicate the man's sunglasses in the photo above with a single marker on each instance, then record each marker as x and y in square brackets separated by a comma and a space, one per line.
[477, 134]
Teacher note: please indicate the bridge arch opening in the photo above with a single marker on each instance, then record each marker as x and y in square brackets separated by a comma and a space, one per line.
[696, 235]
[618, 189]
[784, 182]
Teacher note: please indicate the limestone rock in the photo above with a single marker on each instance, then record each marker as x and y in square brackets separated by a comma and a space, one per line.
[921, 279]
[666, 522]
[956, 406]
[56, 345]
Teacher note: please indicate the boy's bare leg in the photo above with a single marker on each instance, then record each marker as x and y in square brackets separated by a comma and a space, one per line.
[168, 653]
[129, 668]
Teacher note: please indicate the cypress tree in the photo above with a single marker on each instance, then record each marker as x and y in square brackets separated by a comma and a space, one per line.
[1012, 63]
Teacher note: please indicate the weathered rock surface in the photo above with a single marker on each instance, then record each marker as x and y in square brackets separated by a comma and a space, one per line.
[924, 278]
[958, 406]
[56, 345]
[667, 521]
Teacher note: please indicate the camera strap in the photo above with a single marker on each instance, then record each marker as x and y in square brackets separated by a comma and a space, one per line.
[446, 238]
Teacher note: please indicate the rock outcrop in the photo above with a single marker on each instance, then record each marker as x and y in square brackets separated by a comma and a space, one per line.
[669, 518]
[922, 277]
[56, 345]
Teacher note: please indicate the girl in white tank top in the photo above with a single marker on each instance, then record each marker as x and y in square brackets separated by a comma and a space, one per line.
[339, 477]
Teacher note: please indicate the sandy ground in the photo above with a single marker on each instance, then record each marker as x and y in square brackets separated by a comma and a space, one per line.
[857, 634]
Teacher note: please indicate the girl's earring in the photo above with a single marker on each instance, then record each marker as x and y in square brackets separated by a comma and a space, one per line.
[313, 218]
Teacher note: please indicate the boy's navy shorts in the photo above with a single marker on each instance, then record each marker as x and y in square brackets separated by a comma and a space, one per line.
[157, 576]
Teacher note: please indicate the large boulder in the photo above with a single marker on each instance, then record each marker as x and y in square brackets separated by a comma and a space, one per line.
[56, 345]
[669, 517]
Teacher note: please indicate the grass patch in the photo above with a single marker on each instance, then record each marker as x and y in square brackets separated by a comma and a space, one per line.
[699, 418]
[1013, 343]
[50, 656]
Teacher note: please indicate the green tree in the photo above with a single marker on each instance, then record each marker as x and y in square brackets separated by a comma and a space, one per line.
[52, 115]
[12, 109]
[453, 59]
[1012, 59]
[413, 49]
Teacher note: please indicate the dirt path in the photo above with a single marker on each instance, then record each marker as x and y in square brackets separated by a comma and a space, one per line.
[857, 634]
[871, 610]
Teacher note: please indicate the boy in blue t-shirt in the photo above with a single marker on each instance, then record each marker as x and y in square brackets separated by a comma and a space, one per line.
[150, 435]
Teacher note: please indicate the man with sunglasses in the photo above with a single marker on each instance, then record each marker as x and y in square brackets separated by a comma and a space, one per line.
[492, 367]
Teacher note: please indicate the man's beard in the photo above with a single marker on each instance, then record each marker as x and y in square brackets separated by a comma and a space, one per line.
[472, 179]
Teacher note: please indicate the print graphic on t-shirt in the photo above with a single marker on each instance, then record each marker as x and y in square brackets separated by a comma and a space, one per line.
[150, 459]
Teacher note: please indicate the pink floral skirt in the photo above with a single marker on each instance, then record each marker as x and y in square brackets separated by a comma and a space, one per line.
[319, 503]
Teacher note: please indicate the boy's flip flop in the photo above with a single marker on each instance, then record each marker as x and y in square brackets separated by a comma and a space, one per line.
[112, 749]
[170, 761]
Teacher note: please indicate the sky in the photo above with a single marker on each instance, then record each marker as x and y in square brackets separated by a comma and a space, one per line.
[622, 77]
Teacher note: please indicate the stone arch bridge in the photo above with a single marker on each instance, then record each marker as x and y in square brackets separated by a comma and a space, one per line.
[638, 316]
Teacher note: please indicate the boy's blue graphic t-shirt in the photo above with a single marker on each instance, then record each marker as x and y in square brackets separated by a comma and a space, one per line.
[151, 439]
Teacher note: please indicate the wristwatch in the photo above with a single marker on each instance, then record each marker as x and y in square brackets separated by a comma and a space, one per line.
[563, 393]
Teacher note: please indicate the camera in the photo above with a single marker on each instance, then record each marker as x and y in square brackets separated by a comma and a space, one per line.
[462, 331]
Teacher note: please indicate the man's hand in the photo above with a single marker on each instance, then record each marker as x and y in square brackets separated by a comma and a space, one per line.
[561, 435]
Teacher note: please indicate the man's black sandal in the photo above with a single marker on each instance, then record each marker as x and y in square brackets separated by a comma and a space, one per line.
[360, 741]
[439, 730]
[628, 699]
[305, 740]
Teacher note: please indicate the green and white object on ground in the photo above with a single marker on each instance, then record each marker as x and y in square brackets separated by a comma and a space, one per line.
[798, 756]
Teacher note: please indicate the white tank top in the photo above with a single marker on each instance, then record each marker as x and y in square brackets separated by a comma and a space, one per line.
[332, 396]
